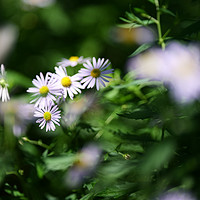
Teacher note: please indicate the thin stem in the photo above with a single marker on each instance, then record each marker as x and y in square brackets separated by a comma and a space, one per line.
[163, 134]
[39, 143]
[161, 41]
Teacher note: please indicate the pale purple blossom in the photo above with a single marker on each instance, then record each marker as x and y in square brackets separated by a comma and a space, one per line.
[72, 61]
[48, 116]
[21, 114]
[150, 64]
[177, 195]
[45, 90]
[183, 64]
[86, 162]
[94, 73]
[69, 85]
[178, 66]
[74, 109]
[38, 3]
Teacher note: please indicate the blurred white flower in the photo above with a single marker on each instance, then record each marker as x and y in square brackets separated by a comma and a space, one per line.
[74, 109]
[20, 114]
[177, 195]
[38, 3]
[178, 66]
[87, 160]
[150, 64]
[8, 36]
[139, 35]
[4, 95]
[183, 65]
[72, 61]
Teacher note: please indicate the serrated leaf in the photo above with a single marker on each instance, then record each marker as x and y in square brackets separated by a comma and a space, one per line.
[143, 113]
[146, 137]
[141, 48]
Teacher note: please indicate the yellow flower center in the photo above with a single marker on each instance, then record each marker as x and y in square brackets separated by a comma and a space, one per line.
[66, 81]
[44, 90]
[95, 73]
[47, 116]
[74, 58]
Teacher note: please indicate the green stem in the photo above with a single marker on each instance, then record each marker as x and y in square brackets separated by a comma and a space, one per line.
[39, 143]
[161, 41]
[163, 134]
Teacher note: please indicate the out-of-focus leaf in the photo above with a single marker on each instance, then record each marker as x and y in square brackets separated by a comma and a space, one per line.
[129, 25]
[140, 82]
[71, 197]
[194, 27]
[139, 10]
[59, 162]
[142, 113]
[158, 156]
[141, 48]
[152, 1]
[139, 138]
[166, 11]
[87, 196]
[40, 170]
[15, 79]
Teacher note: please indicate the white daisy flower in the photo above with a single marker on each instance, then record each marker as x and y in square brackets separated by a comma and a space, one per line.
[95, 73]
[3, 85]
[72, 61]
[45, 90]
[68, 84]
[49, 116]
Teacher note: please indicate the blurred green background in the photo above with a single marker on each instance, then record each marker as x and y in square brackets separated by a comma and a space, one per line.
[128, 120]
[60, 30]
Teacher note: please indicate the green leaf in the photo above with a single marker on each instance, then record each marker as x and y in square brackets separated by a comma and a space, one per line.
[158, 156]
[139, 10]
[141, 82]
[193, 27]
[166, 11]
[152, 1]
[141, 48]
[40, 170]
[15, 78]
[87, 197]
[141, 113]
[131, 25]
[59, 162]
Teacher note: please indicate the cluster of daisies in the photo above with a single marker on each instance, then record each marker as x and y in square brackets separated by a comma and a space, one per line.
[53, 88]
